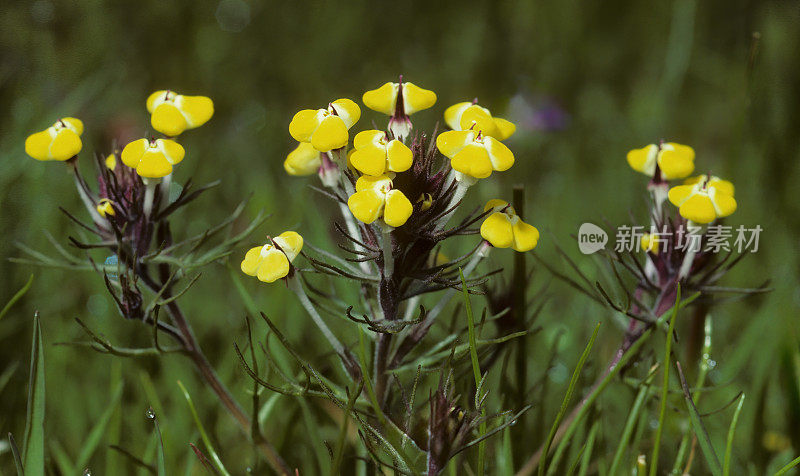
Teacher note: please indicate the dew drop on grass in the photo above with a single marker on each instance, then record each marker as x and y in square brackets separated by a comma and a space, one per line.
[150, 414]
[111, 262]
[87, 472]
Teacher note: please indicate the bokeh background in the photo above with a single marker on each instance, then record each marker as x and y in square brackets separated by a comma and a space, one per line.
[584, 81]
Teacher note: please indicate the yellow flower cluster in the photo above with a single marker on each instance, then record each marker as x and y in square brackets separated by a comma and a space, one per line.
[173, 113]
[326, 129]
[701, 199]
[375, 198]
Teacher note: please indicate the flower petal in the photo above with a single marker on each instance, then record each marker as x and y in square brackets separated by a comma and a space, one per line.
[478, 119]
[416, 99]
[698, 208]
[303, 160]
[74, 124]
[450, 143]
[452, 115]
[348, 110]
[196, 109]
[368, 182]
[472, 160]
[251, 261]
[398, 208]
[153, 164]
[303, 125]
[680, 193]
[151, 99]
[132, 153]
[369, 160]
[505, 128]
[38, 145]
[399, 156]
[674, 164]
[643, 160]
[383, 99]
[291, 243]
[495, 204]
[722, 186]
[168, 120]
[368, 138]
[65, 145]
[331, 134]
[501, 156]
[497, 230]
[274, 266]
[724, 204]
[366, 205]
[172, 151]
[525, 236]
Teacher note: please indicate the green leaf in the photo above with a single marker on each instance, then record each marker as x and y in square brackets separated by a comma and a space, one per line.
[476, 370]
[16, 455]
[662, 413]
[726, 466]
[699, 428]
[203, 434]
[788, 467]
[33, 445]
[633, 417]
[98, 432]
[565, 403]
[160, 465]
[16, 297]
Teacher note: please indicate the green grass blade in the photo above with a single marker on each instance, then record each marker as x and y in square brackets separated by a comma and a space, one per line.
[337, 459]
[565, 402]
[203, 434]
[476, 369]
[788, 467]
[15, 453]
[61, 458]
[586, 457]
[98, 432]
[5, 377]
[630, 424]
[16, 297]
[161, 469]
[662, 412]
[699, 428]
[726, 466]
[33, 445]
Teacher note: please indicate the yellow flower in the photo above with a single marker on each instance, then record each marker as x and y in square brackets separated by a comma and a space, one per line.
[649, 243]
[61, 141]
[173, 113]
[503, 228]
[325, 129]
[303, 160]
[375, 154]
[674, 160]
[466, 115]
[407, 96]
[473, 153]
[704, 201]
[273, 260]
[713, 181]
[111, 162]
[105, 208]
[152, 158]
[375, 198]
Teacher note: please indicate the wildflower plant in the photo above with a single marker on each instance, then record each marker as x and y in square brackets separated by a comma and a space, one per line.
[395, 354]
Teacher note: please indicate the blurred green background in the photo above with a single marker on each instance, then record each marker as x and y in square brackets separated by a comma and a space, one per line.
[585, 82]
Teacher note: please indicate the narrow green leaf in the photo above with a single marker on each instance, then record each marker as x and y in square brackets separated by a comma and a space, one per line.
[476, 370]
[586, 458]
[161, 469]
[633, 416]
[99, 430]
[62, 459]
[16, 297]
[203, 434]
[5, 377]
[16, 455]
[337, 459]
[788, 467]
[565, 403]
[33, 445]
[699, 428]
[662, 413]
[726, 466]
